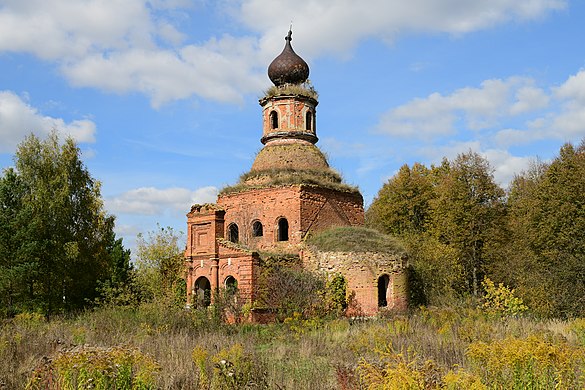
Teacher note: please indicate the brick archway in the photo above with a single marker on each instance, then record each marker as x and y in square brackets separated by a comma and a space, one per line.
[202, 290]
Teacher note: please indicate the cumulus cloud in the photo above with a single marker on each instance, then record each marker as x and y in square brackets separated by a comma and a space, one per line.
[500, 114]
[479, 108]
[138, 46]
[336, 26]
[19, 119]
[219, 70]
[155, 201]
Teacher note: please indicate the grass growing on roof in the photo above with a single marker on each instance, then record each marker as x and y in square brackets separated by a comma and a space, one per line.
[306, 89]
[354, 239]
[283, 177]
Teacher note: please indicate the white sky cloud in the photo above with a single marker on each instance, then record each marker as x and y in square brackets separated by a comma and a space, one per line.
[493, 108]
[155, 201]
[18, 119]
[336, 26]
[115, 45]
[479, 108]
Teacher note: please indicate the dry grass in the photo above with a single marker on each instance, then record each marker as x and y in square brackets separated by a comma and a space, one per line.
[355, 239]
[305, 89]
[428, 346]
[285, 177]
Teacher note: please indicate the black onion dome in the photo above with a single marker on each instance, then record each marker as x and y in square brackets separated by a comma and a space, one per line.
[288, 67]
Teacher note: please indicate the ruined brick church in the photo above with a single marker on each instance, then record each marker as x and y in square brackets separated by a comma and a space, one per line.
[289, 193]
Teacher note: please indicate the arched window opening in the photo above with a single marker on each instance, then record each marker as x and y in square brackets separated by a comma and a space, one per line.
[202, 292]
[273, 120]
[257, 229]
[233, 233]
[282, 230]
[383, 284]
[309, 120]
[231, 285]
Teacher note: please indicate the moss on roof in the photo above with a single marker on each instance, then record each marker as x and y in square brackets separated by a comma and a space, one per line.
[285, 177]
[290, 156]
[354, 239]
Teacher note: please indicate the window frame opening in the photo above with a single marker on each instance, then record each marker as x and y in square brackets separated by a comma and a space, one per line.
[257, 229]
[273, 117]
[230, 283]
[233, 233]
[309, 120]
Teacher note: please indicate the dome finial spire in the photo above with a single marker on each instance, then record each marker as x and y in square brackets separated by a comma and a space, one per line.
[288, 67]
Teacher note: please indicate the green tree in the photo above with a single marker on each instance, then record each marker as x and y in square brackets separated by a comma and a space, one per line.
[159, 265]
[15, 272]
[468, 213]
[403, 203]
[59, 229]
[547, 205]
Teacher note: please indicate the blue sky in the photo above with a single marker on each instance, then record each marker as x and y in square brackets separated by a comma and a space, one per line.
[162, 96]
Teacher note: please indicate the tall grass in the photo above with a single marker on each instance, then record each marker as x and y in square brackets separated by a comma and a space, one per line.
[178, 349]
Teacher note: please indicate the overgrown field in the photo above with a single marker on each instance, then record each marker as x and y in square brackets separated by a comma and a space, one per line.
[159, 347]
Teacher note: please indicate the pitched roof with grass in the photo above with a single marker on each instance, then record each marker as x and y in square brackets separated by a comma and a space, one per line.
[354, 239]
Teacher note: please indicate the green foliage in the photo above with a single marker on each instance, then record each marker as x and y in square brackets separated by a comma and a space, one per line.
[435, 276]
[468, 212]
[96, 368]
[449, 217]
[354, 239]
[56, 241]
[159, 264]
[336, 293]
[547, 210]
[500, 300]
[403, 203]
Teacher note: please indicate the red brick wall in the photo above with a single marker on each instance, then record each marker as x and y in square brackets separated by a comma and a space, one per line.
[322, 208]
[207, 257]
[291, 114]
[306, 208]
[362, 271]
[267, 206]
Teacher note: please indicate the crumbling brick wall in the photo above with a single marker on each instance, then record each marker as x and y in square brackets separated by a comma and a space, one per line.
[362, 272]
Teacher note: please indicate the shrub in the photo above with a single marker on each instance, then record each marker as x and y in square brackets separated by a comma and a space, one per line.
[501, 300]
[230, 368]
[530, 363]
[96, 368]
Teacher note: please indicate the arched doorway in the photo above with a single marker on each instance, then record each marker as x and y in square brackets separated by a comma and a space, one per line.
[383, 284]
[202, 292]
[282, 233]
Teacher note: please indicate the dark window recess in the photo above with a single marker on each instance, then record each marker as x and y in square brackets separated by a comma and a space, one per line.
[274, 120]
[233, 233]
[383, 283]
[257, 230]
[282, 229]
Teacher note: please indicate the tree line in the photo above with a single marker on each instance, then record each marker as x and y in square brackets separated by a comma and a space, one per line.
[460, 227]
[59, 252]
[57, 244]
